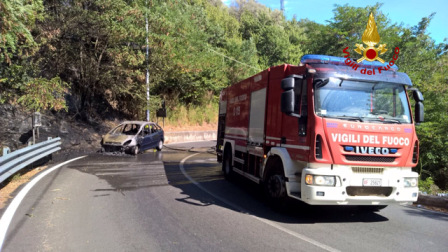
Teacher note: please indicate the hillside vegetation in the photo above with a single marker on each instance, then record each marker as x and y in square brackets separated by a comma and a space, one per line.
[88, 57]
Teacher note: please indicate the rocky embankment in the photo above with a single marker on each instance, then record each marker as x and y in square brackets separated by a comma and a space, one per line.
[16, 130]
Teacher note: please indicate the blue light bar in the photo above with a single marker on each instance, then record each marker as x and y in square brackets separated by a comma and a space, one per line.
[393, 151]
[325, 59]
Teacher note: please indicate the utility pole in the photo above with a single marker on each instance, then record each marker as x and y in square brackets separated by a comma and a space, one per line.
[147, 64]
[282, 6]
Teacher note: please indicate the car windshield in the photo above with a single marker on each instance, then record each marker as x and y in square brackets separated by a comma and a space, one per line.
[361, 101]
[126, 129]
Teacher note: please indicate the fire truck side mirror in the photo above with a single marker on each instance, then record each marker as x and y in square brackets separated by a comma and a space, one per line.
[287, 102]
[419, 115]
[419, 111]
[418, 96]
[288, 84]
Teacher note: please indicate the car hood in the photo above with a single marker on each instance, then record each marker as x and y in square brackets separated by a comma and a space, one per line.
[109, 138]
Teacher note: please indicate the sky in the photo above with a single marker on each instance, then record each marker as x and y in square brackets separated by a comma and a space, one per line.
[410, 12]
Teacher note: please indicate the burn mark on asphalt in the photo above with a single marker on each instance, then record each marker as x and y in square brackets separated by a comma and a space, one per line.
[125, 173]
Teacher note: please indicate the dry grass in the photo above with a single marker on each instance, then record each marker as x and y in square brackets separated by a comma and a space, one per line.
[185, 118]
[192, 116]
[7, 188]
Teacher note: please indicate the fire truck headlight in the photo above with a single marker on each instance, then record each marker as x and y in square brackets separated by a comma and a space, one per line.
[410, 182]
[324, 180]
[320, 180]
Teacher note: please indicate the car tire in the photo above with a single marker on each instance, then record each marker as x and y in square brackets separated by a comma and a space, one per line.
[136, 150]
[160, 146]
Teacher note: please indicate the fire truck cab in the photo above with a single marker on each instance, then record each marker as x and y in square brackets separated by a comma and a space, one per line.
[323, 132]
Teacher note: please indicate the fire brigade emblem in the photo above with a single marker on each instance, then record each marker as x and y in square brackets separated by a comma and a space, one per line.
[370, 37]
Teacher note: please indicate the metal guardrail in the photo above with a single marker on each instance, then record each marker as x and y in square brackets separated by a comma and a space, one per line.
[11, 162]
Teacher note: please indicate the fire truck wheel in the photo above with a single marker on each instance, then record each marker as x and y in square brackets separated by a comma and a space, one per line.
[371, 208]
[274, 184]
[227, 168]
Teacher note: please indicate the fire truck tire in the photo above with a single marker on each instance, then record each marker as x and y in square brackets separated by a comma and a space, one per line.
[227, 168]
[371, 208]
[274, 184]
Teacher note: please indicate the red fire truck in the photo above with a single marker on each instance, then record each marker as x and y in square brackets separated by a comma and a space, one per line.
[323, 132]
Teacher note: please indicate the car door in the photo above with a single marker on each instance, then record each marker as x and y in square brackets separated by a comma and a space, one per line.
[147, 140]
[160, 131]
[155, 136]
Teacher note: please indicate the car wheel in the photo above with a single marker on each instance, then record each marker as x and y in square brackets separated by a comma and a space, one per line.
[160, 146]
[136, 150]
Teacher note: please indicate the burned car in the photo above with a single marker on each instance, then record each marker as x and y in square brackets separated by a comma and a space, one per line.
[133, 137]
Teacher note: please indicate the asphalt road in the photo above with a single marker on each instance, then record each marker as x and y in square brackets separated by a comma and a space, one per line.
[153, 202]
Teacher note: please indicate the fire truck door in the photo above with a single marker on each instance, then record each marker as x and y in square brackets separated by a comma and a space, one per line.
[294, 129]
[256, 132]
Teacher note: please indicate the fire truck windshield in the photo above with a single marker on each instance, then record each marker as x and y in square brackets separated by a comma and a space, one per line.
[361, 101]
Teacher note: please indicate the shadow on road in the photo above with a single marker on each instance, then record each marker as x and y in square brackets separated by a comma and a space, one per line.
[248, 196]
[127, 173]
[413, 211]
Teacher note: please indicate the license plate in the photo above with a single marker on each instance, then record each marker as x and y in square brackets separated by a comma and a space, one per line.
[371, 182]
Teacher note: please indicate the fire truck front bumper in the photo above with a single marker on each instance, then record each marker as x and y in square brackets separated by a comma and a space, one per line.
[345, 185]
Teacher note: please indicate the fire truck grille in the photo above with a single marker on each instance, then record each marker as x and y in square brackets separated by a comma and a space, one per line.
[369, 191]
[368, 170]
[370, 159]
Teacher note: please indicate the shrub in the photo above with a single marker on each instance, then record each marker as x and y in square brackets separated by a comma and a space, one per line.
[428, 186]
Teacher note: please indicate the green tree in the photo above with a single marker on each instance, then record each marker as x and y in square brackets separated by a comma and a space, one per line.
[20, 76]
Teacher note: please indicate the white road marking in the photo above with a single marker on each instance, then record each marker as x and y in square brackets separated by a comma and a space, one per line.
[242, 210]
[205, 160]
[9, 213]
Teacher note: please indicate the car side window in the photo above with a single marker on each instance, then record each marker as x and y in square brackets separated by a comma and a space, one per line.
[146, 130]
[153, 128]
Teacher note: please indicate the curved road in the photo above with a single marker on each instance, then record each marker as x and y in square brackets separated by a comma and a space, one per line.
[155, 202]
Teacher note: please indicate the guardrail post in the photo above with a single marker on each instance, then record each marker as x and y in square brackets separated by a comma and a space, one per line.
[6, 151]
